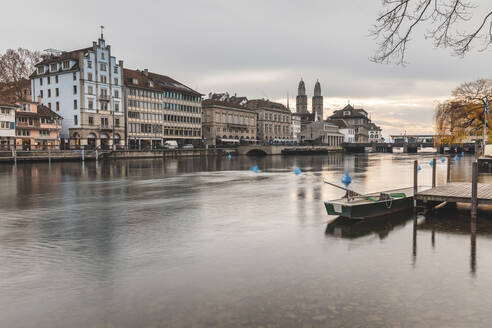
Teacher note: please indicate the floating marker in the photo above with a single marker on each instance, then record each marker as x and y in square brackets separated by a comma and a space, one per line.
[431, 163]
[418, 167]
[443, 159]
[255, 169]
[456, 158]
[346, 179]
[297, 171]
[462, 153]
[229, 156]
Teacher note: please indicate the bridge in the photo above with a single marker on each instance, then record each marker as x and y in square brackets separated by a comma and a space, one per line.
[408, 147]
[259, 150]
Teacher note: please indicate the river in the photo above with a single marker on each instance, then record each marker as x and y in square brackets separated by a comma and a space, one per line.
[206, 242]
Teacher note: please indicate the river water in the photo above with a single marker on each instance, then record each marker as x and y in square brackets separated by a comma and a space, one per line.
[209, 243]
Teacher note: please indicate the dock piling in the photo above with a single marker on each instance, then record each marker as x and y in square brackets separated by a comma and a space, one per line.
[448, 172]
[415, 182]
[474, 195]
[82, 155]
[433, 173]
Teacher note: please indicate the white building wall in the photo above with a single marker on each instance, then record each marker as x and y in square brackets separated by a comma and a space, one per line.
[10, 118]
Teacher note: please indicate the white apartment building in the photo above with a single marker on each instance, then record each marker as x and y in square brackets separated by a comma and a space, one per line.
[84, 87]
[7, 125]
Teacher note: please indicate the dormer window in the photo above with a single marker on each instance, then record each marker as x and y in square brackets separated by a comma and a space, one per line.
[102, 54]
[346, 113]
[134, 81]
[40, 69]
[53, 67]
[66, 64]
[151, 84]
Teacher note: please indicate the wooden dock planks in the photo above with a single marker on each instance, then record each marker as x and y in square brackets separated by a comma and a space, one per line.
[457, 192]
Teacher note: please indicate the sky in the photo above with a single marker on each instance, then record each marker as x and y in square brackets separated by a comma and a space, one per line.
[258, 49]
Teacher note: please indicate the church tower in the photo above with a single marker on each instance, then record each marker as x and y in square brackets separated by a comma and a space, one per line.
[301, 99]
[318, 101]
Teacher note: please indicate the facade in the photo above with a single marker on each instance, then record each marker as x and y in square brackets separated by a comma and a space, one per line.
[296, 126]
[375, 133]
[228, 120]
[320, 132]
[84, 87]
[274, 121]
[347, 131]
[37, 127]
[317, 102]
[158, 109]
[355, 118]
[7, 125]
[301, 99]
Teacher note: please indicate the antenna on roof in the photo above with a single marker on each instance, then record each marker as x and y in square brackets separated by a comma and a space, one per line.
[288, 107]
[102, 30]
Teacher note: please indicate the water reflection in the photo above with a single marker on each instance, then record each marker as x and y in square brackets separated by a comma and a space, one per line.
[381, 227]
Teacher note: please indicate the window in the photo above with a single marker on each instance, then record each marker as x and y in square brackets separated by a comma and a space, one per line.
[40, 69]
[41, 93]
[75, 76]
[89, 76]
[116, 93]
[103, 78]
[102, 67]
[48, 80]
[116, 71]
[40, 81]
[116, 106]
[74, 89]
[49, 105]
[75, 120]
[89, 64]
[117, 122]
[75, 104]
[91, 104]
[49, 93]
[57, 92]
[57, 106]
[134, 81]
[91, 120]
[66, 64]
[102, 55]
[90, 89]
[116, 81]
[56, 78]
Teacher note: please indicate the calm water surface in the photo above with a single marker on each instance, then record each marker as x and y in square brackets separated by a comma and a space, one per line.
[208, 243]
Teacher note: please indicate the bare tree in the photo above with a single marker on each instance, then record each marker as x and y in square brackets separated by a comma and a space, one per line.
[399, 19]
[15, 68]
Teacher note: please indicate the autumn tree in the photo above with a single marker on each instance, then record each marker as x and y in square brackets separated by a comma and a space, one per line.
[462, 115]
[15, 68]
[398, 20]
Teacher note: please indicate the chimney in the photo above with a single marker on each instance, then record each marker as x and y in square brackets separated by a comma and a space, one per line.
[146, 72]
[120, 63]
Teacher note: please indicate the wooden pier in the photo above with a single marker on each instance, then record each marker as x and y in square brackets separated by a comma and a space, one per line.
[457, 192]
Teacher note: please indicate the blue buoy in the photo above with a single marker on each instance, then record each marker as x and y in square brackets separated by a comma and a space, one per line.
[346, 179]
[431, 163]
[456, 158]
[462, 153]
[443, 159]
[229, 156]
[255, 169]
[297, 171]
[418, 167]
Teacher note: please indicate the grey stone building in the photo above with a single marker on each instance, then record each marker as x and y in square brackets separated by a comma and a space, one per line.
[318, 101]
[274, 121]
[321, 133]
[301, 99]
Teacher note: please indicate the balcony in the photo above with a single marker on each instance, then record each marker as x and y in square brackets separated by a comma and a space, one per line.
[104, 97]
[27, 125]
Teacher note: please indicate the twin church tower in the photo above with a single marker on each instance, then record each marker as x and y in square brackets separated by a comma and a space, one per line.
[302, 103]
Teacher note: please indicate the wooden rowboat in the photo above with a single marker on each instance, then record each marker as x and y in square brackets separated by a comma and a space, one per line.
[357, 206]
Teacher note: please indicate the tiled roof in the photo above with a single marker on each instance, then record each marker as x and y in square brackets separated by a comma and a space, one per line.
[213, 102]
[338, 122]
[261, 103]
[160, 82]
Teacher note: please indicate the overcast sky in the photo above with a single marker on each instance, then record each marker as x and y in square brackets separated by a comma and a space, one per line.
[257, 48]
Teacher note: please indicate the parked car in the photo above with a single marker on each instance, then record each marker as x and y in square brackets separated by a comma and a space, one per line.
[188, 146]
[170, 144]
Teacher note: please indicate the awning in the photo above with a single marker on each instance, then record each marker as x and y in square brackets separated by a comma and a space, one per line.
[229, 140]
